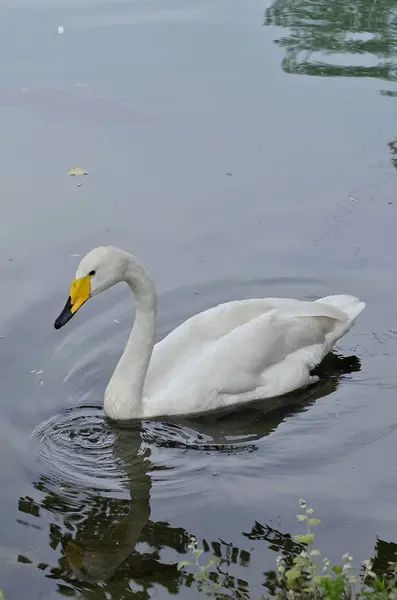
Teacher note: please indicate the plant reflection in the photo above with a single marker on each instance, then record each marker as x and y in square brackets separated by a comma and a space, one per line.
[364, 30]
[393, 152]
[100, 524]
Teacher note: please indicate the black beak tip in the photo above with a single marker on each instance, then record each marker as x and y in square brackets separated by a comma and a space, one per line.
[65, 315]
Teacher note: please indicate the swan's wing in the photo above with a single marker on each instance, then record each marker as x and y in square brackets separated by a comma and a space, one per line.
[228, 369]
[269, 340]
[186, 342]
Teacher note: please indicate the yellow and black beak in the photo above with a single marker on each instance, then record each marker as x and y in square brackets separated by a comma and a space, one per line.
[80, 292]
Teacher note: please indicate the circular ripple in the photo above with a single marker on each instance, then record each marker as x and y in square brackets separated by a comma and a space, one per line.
[79, 446]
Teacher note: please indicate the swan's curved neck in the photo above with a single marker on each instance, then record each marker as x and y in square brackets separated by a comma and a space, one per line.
[124, 394]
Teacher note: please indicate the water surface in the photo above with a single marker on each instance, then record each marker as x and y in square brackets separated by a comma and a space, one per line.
[239, 149]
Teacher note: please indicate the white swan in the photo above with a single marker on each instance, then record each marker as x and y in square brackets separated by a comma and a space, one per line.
[230, 354]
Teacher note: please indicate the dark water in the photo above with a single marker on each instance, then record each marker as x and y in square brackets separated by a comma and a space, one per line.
[238, 149]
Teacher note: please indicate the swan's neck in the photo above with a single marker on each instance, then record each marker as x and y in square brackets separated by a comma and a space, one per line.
[124, 394]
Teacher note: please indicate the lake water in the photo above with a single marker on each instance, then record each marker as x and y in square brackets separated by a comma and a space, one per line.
[237, 149]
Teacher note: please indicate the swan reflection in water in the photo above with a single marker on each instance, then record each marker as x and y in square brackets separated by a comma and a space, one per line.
[98, 484]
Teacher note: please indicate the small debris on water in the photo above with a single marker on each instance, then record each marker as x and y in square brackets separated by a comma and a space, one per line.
[229, 174]
[74, 255]
[116, 321]
[77, 171]
[60, 29]
[34, 372]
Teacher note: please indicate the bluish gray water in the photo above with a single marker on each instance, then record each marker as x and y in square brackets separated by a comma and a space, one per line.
[238, 149]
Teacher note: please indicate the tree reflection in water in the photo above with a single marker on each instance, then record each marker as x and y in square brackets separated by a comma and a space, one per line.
[335, 38]
[320, 30]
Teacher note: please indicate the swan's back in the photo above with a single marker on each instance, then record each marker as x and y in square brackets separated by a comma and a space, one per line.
[233, 322]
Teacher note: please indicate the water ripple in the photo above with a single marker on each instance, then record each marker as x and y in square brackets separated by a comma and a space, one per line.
[80, 446]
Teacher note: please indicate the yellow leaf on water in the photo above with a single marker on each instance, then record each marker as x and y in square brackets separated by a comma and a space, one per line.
[77, 171]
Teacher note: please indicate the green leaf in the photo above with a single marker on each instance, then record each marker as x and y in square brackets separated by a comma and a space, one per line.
[300, 518]
[308, 538]
[314, 521]
[180, 566]
[292, 575]
[315, 553]
[337, 569]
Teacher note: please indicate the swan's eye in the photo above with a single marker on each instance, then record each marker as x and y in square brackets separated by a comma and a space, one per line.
[91, 273]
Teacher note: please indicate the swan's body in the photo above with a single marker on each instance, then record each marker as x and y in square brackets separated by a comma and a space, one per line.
[230, 354]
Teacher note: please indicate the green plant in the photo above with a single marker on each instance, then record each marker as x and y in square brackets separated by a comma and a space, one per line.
[203, 578]
[307, 576]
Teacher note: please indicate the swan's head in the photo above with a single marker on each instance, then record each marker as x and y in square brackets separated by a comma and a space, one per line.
[99, 270]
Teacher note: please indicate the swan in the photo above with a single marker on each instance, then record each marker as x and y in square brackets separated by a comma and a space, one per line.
[227, 355]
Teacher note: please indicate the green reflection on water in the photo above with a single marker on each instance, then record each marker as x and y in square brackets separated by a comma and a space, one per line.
[326, 35]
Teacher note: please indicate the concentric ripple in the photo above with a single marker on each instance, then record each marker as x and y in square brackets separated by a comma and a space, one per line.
[79, 446]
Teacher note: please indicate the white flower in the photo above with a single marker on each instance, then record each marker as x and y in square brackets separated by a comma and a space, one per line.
[347, 557]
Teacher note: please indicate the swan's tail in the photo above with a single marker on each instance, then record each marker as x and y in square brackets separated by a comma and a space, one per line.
[350, 305]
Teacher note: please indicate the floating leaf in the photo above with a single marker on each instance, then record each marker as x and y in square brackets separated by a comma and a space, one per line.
[314, 522]
[77, 171]
[300, 518]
